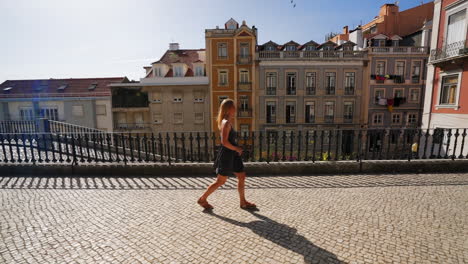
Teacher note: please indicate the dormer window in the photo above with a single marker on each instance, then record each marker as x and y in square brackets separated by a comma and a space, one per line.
[290, 48]
[92, 87]
[157, 72]
[7, 89]
[310, 48]
[199, 71]
[40, 87]
[347, 48]
[270, 48]
[62, 87]
[328, 47]
[395, 43]
[178, 72]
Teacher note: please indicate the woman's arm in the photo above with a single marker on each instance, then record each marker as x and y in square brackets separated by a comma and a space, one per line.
[225, 129]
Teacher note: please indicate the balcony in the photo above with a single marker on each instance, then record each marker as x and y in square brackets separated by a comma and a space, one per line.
[329, 119]
[244, 86]
[349, 90]
[454, 51]
[271, 91]
[330, 90]
[244, 59]
[271, 119]
[398, 50]
[244, 113]
[310, 119]
[290, 119]
[310, 90]
[348, 119]
[132, 127]
[291, 91]
[310, 55]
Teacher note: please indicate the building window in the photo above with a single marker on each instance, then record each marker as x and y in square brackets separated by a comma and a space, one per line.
[378, 119]
[101, 110]
[157, 72]
[223, 78]
[456, 30]
[177, 98]
[199, 118]
[178, 71]
[414, 95]
[330, 82]
[198, 97]
[26, 114]
[398, 93]
[270, 48]
[178, 118]
[244, 76]
[290, 112]
[311, 81]
[349, 83]
[291, 83]
[139, 121]
[244, 103]
[373, 29]
[416, 72]
[222, 98]
[310, 48]
[156, 97]
[244, 129]
[400, 68]
[290, 48]
[348, 112]
[329, 112]
[310, 112]
[271, 112]
[412, 119]
[380, 68]
[244, 50]
[395, 43]
[448, 94]
[52, 113]
[379, 94]
[222, 50]
[199, 71]
[271, 83]
[77, 110]
[396, 118]
[157, 118]
[122, 120]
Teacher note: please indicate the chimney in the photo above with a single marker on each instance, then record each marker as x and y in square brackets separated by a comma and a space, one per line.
[345, 30]
[173, 46]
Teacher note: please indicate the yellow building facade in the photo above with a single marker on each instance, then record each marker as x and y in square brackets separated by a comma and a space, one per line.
[231, 69]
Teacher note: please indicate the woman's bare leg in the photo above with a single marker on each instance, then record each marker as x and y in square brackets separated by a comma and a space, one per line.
[241, 189]
[220, 180]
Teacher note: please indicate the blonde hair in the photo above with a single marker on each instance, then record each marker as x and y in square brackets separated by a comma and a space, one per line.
[224, 108]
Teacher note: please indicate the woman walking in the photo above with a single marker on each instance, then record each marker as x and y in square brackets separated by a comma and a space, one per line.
[229, 159]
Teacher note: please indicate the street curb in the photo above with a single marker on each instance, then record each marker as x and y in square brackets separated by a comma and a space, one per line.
[252, 168]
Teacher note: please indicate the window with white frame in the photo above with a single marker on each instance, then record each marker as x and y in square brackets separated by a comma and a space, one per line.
[396, 118]
[380, 68]
[222, 50]
[49, 113]
[310, 112]
[330, 109]
[400, 68]
[270, 48]
[412, 118]
[291, 83]
[157, 118]
[77, 110]
[398, 92]
[199, 118]
[348, 110]
[244, 76]
[290, 48]
[139, 120]
[416, 72]
[449, 87]
[101, 110]
[244, 103]
[311, 82]
[177, 97]
[414, 95]
[330, 78]
[198, 97]
[199, 71]
[377, 119]
[178, 71]
[26, 114]
[244, 129]
[157, 72]
[310, 48]
[223, 78]
[178, 118]
[271, 83]
[456, 28]
[244, 49]
[271, 112]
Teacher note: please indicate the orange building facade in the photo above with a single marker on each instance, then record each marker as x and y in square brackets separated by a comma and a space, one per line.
[231, 69]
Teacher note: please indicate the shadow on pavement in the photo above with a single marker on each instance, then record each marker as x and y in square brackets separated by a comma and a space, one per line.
[284, 236]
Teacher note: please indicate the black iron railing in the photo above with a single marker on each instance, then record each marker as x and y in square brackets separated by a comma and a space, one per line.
[459, 48]
[274, 146]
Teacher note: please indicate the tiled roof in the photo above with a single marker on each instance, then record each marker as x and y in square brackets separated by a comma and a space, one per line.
[187, 56]
[68, 87]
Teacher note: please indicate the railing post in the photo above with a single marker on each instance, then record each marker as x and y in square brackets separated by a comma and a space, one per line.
[462, 144]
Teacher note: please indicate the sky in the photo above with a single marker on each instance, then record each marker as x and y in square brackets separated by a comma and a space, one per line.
[112, 38]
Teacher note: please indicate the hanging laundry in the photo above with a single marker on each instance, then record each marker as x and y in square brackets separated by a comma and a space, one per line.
[387, 76]
[383, 101]
[390, 103]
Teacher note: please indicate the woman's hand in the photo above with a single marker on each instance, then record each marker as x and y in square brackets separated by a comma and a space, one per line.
[239, 150]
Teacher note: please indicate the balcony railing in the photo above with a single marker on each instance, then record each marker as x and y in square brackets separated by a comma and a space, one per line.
[291, 91]
[290, 119]
[271, 119]
[132, 126]
[244, 86]
[244, 113]
[244, 59]
[348, 118]
[456, 49]
[310, 90]
[329, 119]
[271, 90]
[310, 119]
[330, 90]
[349, 90]
[309, 55]
[399, 50]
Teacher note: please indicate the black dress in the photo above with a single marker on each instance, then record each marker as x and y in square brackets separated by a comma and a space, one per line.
[229, 161]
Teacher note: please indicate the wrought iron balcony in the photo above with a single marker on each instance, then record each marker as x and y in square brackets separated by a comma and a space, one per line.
[132, 126]
[244, 59]
[329, 118]
[244, 86]
[271, 119]
[349, 90]
[310, 90]
[271, 90]
[310, 119]
[244, 113]
[451, 51]
[330, 90]
[348, 118]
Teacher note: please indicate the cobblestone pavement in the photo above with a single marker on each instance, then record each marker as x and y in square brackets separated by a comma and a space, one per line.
[307, 219]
